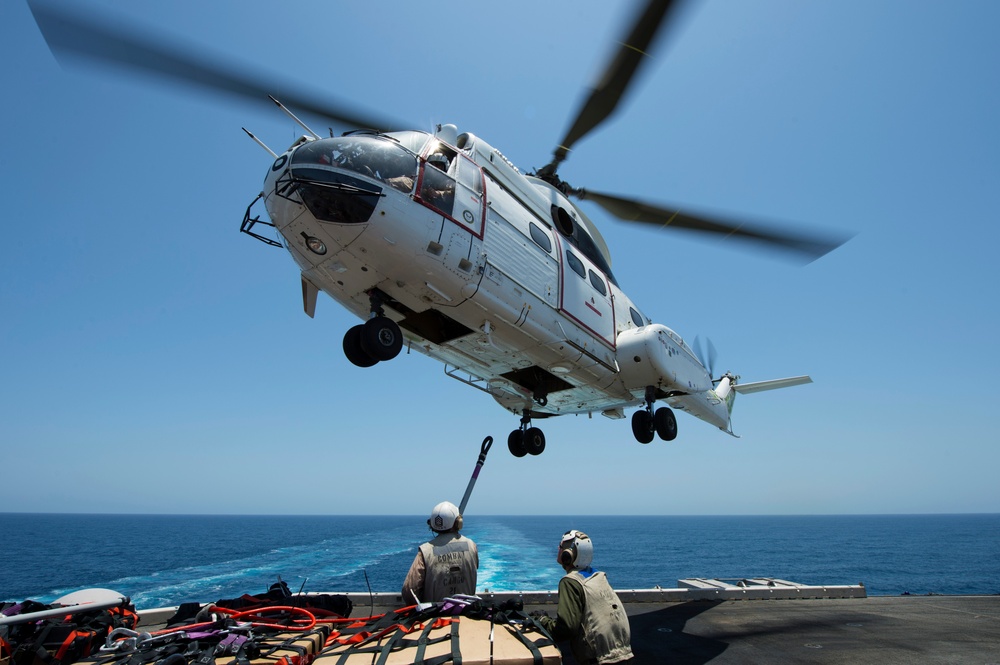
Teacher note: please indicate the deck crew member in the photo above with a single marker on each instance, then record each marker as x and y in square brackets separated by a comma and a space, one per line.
[590, 615]
[447, 564]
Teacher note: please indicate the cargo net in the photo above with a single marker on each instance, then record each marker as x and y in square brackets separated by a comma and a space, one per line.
[301, 630]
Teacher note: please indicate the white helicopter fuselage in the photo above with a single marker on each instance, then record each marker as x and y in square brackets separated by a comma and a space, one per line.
[494, 273]
[438, 242]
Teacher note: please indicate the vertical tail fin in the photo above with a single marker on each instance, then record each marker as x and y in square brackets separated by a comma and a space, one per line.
[726, 390]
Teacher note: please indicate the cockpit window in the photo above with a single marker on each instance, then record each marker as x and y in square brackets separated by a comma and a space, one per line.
[370, 156]
[437, 188]
[412, 141]
[452, 183]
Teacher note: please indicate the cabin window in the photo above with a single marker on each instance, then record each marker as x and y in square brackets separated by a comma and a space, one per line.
[579, 238]
[598, 283]
[575, 264]
[540, 237]
[636, 317]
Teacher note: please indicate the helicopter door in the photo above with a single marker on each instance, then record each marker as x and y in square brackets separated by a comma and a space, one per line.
[452, 184]
[585, 296]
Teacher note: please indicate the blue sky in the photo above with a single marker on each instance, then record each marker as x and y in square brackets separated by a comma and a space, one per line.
[156, 360]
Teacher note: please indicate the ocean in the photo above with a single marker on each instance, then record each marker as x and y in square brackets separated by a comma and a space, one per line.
[161, 560]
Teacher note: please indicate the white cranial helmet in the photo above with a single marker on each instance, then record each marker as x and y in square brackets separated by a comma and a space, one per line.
[443, 516]
[576, 550]
[438, 160]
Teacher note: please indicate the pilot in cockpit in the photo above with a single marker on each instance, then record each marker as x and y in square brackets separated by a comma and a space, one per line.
[439, 160]
[438, 188]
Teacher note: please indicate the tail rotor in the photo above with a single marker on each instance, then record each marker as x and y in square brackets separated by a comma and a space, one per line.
[707, 358]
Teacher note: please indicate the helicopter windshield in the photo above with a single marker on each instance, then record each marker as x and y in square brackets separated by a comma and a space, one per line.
[371, 156]
[413, 140]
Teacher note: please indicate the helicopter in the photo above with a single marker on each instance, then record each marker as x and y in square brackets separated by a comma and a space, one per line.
[440, 244]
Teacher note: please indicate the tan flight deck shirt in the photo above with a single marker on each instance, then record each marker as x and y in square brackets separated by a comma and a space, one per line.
[445, 566]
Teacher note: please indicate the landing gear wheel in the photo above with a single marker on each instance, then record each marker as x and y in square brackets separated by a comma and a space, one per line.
[515, 443]
[642, 426]
[353, 349]
[665, 423]
[381, 338]
[534, 441]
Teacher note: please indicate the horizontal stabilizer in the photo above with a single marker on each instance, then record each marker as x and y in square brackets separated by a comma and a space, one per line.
[746, 388]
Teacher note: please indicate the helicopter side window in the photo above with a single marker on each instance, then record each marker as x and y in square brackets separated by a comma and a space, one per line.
[470, 175]
[636, 317]
[598, 283]
[540, 237]
[575, 264]
[577, 237]
[437, 188]
[452, 184]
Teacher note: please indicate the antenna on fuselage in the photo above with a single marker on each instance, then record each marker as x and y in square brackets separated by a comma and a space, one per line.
[292, 116]
[259, 142]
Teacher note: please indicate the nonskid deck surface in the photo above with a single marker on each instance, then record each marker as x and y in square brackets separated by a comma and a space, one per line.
[774, 621]
[882, 629]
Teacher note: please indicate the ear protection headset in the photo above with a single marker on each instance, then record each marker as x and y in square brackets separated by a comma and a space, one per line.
[566, 556]
[576, 550]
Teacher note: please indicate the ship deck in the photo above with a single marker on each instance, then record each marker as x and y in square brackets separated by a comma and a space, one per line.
[878, 629]
[774, 621]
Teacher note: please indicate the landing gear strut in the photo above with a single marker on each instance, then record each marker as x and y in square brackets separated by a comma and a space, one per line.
[526, 440]
[378, 338]
[646, 422]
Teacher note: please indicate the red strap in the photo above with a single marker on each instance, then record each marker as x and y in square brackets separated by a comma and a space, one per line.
[354, 639]
[70, 640]
[441, 622]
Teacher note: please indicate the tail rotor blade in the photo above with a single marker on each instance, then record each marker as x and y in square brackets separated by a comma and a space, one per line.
[707, 359]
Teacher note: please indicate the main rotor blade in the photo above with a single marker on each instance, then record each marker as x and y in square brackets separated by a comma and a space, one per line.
[90, 38]
[604, 97]
[809, 246]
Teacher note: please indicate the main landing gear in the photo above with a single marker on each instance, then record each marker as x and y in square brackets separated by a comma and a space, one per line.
[526, 440]
[646, 422]
[378, 338]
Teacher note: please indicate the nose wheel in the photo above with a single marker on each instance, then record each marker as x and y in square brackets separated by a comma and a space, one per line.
[377, 339]
[646, 422]
[526, 440]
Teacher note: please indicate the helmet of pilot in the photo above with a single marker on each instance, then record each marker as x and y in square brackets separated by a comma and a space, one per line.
[438, 160]
[445, 518]
[576, 550]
